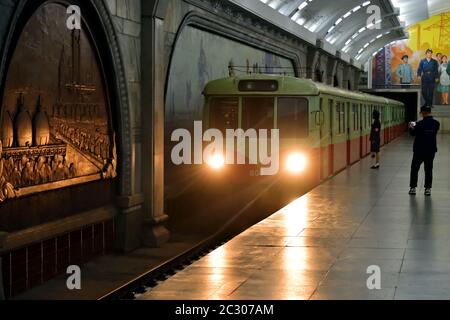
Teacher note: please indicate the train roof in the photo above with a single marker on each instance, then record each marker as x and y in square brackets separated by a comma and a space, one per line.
[288, 86]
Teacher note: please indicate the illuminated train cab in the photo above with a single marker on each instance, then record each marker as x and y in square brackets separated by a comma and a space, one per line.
[322, 129]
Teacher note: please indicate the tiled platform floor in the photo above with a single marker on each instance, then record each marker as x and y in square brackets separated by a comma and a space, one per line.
[321, 245]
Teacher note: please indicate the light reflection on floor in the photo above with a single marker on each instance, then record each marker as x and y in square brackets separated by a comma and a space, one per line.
[320, 246]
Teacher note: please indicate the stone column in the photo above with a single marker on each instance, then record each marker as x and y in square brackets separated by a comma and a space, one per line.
[312, 62]
[331, 70]
[153, 83]
[340, 74]
[347, 77]
[356, 77]
[126, 16]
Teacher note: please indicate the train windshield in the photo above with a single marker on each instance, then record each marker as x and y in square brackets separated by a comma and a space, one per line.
[293, 118]
[224, 113]
[258, 113]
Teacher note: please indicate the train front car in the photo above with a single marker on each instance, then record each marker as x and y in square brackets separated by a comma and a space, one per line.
[270, 128]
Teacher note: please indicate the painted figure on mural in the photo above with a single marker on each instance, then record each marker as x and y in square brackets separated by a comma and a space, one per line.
[6, 189]
[405, 72]
[439, 57]
[439, 60]
[428, 73]
[444, 80]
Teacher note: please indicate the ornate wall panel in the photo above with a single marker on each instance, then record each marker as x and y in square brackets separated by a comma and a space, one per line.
[56, 126]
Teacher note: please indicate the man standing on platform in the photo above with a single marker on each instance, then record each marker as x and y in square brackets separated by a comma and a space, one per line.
[425, 148]
[429, 74]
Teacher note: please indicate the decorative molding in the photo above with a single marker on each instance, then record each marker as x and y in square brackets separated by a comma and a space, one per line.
[49, 230]
[279, 41]
[239, 16]
[234, 31]
[122, 98]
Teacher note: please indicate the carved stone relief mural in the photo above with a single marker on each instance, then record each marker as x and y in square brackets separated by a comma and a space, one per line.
[55, 122]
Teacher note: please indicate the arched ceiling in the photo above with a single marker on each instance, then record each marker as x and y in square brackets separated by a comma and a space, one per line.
[341, 27]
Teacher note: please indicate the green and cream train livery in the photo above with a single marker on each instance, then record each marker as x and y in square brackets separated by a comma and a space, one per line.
[321, 129]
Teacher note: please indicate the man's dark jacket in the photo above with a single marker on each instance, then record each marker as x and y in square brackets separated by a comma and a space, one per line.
[426, 132]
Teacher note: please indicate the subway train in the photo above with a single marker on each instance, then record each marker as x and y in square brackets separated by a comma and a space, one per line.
[322, 129]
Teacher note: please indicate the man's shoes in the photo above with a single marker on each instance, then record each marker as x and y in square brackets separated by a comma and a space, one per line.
[375, 167]
[412, 191]
[428, 192]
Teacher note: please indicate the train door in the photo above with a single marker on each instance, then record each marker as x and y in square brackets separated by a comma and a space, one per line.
[356, 133]
[361, 131]
[383, 126]
[331, 130]
[326, 133]
[369, 125]
[349, 119]
[323, 142]
[339, 136]
[386, 125]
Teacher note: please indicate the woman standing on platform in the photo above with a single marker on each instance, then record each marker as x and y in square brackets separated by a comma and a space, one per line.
[444, 83]
[375, 139]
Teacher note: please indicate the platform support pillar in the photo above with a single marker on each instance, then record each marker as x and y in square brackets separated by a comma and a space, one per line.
[370, 74]
[313, 60]
[331, 70]
[153, 58]
[129, 223]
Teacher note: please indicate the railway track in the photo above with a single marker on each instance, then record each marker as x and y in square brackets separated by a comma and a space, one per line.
[162, 272]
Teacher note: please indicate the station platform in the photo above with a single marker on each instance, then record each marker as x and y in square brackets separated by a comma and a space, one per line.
[322, 244]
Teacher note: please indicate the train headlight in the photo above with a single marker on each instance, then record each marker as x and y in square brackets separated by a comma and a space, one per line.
[216, 161]
[296, 163]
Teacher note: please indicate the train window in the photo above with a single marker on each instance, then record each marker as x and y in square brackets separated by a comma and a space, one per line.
[293, 117]
[355, 117]
[367, 120]
[330, 109]
[257, 113]
[258, 85]
[363, 117]
[224, 113]
[338, 111]
[358, 118]
[340, 117]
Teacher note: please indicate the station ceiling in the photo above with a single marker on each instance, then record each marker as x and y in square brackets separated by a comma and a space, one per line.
[343, 27]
